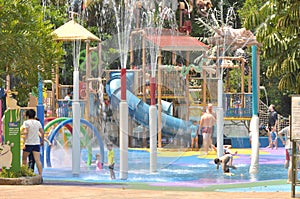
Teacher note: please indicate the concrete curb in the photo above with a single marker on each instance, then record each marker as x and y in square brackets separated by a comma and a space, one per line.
[34, 180]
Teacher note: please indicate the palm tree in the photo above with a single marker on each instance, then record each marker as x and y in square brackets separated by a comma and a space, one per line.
[277, 27]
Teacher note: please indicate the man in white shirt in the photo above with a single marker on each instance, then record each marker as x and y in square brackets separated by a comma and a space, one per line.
[33, 140]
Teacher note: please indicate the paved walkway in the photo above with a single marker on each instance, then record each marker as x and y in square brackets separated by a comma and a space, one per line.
[103, 192]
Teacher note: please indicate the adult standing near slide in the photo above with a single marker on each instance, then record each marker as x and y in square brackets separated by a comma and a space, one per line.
[32, 127]
[210, 111]
[206, 126]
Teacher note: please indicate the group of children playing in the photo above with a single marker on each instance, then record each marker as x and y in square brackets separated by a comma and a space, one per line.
[110, 161]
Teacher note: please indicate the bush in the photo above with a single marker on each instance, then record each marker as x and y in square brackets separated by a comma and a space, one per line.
[24, 172]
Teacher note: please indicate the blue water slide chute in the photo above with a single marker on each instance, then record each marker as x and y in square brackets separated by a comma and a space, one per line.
[139, 110]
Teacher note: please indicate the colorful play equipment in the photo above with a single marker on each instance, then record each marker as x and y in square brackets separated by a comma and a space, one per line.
[56, 121]
[187, 85]
[66, 121]
[188, 89]
[162, 96]
[139, 110]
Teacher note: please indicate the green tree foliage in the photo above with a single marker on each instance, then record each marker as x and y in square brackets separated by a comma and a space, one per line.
[26, 43]
[277, 27]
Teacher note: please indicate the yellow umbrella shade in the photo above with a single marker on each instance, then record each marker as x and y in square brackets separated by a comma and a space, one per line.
[71, 31]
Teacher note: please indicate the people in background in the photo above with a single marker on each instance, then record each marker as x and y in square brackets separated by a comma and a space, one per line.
[33, 140]
[207, 122]
[273, 135]
[210, 111]
[194, 135]
[226, 162]
[200, 136]
[99, 164]
[111, 161]
[31, 161]
[288, 145]
[68, 96]
[272, 123]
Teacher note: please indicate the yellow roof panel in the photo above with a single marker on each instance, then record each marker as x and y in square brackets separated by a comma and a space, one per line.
[71, 31]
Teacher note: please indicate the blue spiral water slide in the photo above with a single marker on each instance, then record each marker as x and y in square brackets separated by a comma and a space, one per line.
[139, 110]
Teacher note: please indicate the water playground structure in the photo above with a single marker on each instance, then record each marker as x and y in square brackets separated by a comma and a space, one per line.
[150, 102]
[182, 97]
[163, 41]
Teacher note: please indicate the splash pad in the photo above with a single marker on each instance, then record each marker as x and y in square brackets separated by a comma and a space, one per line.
[181, 168]
[184, 169]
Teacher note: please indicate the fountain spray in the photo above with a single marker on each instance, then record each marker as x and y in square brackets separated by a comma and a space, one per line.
[124, 17]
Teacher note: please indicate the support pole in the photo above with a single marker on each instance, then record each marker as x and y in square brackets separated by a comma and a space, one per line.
[100, 70]
[219, 111]
[187, 83]
[87, 77]
[153, 126]
[204, 86]
[152, 90]
[40, 110]
[76, 113]
[220, 118]
[56, 88]
[123, 140]
[76, 125]
[144, 86]
[254, 81]
[153, 138]
[123, 128]
[123, 84]
[254, 124]
[159, 98]
[254, 130]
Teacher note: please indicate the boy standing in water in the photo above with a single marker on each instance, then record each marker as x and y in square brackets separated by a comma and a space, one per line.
[111, 161]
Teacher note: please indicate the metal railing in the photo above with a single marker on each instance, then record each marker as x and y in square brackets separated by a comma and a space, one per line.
[237, 105]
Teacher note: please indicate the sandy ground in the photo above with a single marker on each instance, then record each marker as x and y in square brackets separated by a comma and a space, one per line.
[85, 191]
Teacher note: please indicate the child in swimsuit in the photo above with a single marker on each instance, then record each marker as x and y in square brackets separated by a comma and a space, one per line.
[99, 165]
[273, 138]
[194, 134]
